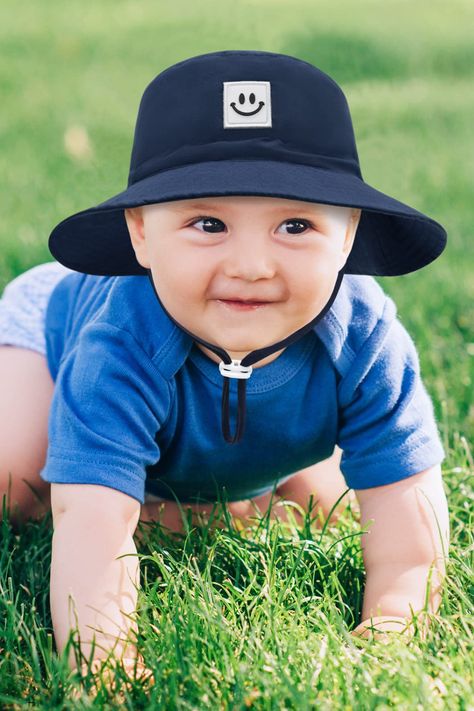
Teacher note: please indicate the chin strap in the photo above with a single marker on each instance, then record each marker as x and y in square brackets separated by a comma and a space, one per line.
[242, 369]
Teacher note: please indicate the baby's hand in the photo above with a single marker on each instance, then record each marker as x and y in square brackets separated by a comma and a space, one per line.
[108, 675]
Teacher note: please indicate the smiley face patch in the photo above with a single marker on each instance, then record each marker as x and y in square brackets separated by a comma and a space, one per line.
[247, 104]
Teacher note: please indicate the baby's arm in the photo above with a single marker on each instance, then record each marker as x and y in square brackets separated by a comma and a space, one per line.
[92, 526]
[409, 534]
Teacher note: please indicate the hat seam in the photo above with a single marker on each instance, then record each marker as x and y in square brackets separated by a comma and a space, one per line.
[290, 144]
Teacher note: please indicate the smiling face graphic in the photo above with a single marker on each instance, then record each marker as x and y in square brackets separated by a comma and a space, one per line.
[247, 104]
[252, 100]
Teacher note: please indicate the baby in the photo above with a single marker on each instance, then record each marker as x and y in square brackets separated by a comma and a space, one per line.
[243, 249]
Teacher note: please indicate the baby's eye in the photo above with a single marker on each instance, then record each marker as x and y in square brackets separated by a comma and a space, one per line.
[297, 221]
[207, 219]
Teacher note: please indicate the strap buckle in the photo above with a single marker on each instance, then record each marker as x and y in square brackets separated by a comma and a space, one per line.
[235, 370]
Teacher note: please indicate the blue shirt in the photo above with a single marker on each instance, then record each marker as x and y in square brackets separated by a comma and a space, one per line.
[137, 406]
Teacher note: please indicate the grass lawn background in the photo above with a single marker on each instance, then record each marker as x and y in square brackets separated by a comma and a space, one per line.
[227, 622]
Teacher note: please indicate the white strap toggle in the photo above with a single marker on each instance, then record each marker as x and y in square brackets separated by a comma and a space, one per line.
[235, 370]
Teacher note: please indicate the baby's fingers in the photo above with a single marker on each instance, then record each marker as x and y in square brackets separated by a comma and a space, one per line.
[111, 677]
[137, 669]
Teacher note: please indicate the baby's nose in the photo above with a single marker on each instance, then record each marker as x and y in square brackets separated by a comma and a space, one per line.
[250, 258]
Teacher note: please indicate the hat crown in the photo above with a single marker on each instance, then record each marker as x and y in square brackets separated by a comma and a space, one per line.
[243, 105]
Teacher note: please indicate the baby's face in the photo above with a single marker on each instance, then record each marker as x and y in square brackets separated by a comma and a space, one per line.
[202, 251]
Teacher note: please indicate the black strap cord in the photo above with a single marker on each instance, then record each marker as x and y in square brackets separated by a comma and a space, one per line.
[241, 409]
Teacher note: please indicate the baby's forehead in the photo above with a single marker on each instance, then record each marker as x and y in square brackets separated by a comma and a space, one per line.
[263, 204]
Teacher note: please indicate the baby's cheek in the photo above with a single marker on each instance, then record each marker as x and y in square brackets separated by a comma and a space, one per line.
[312, 297]
[313, 292]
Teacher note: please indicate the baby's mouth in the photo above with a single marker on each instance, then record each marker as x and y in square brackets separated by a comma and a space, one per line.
[243, 305]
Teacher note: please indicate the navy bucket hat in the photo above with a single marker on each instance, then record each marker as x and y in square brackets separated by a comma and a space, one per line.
[241, 122]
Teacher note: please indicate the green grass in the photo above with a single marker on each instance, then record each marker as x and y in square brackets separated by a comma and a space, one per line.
[257, 620]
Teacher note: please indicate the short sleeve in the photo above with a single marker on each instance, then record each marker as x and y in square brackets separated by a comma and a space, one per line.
[108, 404]
[387, 428]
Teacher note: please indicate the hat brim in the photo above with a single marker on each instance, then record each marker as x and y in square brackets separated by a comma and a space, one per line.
[391, 239]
